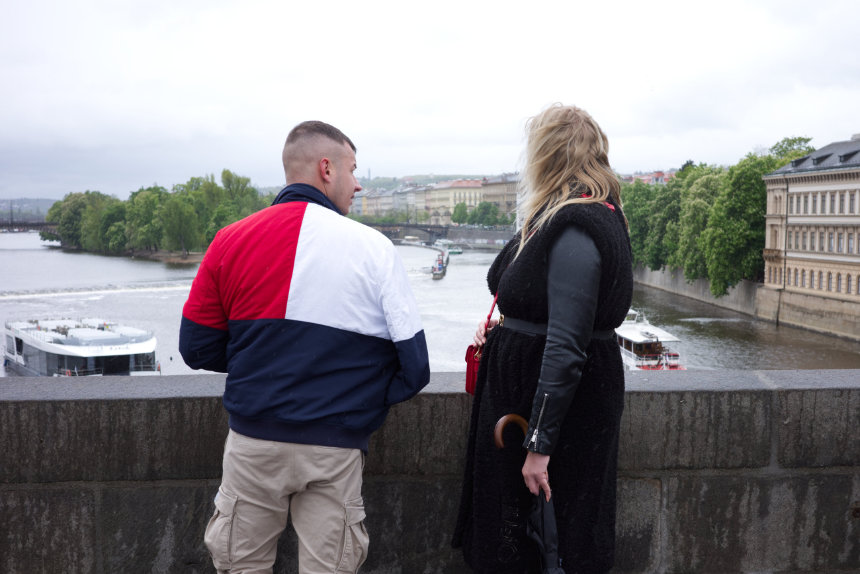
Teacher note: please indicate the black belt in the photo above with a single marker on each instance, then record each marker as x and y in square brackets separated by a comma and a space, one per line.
[530, 328]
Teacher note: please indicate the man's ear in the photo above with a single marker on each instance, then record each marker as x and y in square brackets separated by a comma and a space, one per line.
[325, 168]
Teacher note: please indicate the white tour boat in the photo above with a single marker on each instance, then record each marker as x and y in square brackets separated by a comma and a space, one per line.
[70, 347]
[645, 347]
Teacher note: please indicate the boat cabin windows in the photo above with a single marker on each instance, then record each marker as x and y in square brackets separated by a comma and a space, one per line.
[649, 348]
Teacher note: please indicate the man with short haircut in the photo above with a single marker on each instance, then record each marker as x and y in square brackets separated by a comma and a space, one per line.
[311, 316]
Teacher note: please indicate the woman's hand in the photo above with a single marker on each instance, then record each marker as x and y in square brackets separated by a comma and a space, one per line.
[481, 334]
[535, 474]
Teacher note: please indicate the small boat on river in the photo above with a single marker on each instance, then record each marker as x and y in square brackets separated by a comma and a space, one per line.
[74, 348]
[440, 267]
[645, 347]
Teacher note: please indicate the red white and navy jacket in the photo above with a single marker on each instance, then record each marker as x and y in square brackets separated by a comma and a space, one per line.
[311, 316]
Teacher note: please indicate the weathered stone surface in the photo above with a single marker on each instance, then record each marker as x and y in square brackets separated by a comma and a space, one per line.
[761, 524]
[424, 436]
[637, 545]
[720, 472]
[133, 439]
[156, 527]
[695, 429]
[819, 428]
[48, 530]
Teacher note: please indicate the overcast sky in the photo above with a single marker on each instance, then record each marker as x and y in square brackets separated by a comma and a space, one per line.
[114, 95]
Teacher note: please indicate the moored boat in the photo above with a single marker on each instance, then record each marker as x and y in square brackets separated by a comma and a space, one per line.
[71, 347]
[646, 347]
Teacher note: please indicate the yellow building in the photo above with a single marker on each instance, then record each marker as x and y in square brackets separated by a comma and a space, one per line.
[812, 244]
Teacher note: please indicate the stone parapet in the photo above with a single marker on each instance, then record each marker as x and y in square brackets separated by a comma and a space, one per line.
[719, 471]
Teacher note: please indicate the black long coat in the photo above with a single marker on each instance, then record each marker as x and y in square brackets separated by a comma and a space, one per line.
[495, 502]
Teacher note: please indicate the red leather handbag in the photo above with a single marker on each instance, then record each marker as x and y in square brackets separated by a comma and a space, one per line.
[473, 356]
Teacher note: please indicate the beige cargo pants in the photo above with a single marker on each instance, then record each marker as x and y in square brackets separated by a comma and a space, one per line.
[264, 481]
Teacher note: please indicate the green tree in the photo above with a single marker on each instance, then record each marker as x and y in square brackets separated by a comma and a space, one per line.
[791, 148]
[460, 213]
[734, 238]
[143, 225]
[180, 223]
[112, 237]
[485, 213]
[661, 241]
[115, 239]
[223, 216]
[638, 198]
[74, 215]
[696, 202]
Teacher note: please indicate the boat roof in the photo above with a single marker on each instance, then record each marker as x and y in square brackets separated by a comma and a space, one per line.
[642, 332]
[79, 332]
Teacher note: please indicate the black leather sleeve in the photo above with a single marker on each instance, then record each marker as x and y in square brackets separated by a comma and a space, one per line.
[573, 281]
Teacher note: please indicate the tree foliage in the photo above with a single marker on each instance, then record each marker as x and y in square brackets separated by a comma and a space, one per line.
[460, 213]
[185, 218]
[485, 213]
[734, 238]
[707, 221]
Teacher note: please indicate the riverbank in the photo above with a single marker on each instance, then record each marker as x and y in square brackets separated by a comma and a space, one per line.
[170, 257]
[805, 309]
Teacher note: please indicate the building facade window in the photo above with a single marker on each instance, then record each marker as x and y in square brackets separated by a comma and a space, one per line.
[830, 242]
[832, 203]
[806, 204]
[803, 278]
[841, 203]
[814, 204]
[789, 239]
[850, 243]
[830, 281]
[812, 241]
[803, 241]
[821, 279]
[791, 204]
[839, 243]
[821, 241]
[848, 284]
[839, 282]
[795, 277]
[851, 202]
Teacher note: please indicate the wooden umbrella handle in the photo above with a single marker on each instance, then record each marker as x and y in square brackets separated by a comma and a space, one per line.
[503, 422]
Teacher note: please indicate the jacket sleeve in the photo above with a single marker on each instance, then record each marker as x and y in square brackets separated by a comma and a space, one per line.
[203, 334]
[573, 282]
[404, 327]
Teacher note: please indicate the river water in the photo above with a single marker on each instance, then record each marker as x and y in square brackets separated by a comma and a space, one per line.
[38, 280]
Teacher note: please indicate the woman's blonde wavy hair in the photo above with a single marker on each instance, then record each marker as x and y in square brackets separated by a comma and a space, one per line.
[566, 157]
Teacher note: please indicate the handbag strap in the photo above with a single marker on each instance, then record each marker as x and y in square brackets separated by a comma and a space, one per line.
[493, 308]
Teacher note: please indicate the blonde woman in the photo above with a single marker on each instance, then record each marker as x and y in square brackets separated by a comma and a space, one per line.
[563, 284]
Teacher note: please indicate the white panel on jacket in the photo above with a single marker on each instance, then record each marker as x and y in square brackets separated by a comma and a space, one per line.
[344, 274]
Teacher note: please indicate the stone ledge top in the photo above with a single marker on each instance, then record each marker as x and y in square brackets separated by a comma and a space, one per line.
[18, 389]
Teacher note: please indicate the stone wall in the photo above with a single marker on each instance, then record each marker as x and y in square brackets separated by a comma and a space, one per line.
[719, 472]
[740, 298]
[828, 315]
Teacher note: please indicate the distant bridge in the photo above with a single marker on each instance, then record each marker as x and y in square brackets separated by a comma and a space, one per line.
[397, 230]
[28, 226]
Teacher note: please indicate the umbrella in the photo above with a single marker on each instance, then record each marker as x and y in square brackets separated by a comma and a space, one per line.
[541, 526]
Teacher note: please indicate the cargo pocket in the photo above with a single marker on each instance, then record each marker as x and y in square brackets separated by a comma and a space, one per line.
[219, 531]
[355, 539]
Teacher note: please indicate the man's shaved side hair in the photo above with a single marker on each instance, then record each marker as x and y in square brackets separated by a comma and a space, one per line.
[312, 128]
[305, 142]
